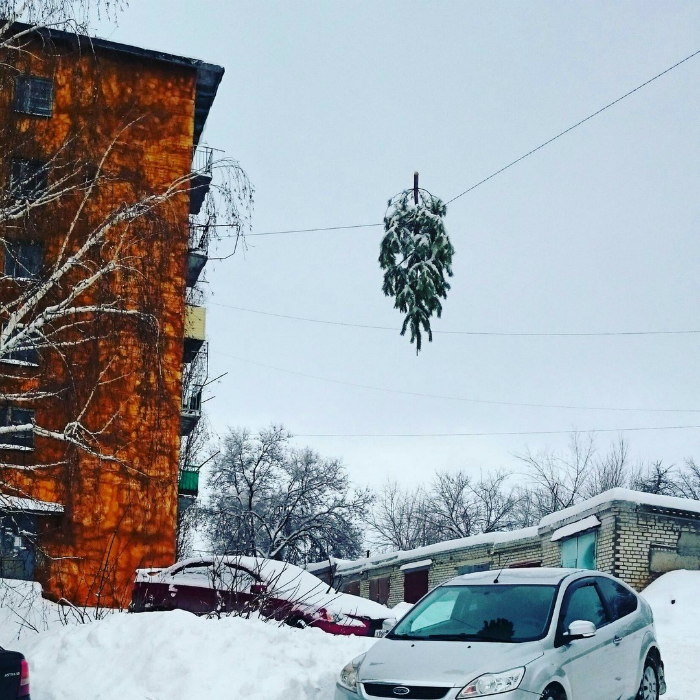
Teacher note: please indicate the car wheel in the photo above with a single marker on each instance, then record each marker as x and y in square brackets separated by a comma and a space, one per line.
[553, 693]
[649, 687]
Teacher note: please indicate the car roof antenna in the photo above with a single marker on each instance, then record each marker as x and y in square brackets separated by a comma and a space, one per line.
[497, 575]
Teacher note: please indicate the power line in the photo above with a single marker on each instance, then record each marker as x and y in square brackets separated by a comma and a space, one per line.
[597, 334]
[455, 398]
[505, 167]
[300, 230]
[489, 434]
[571, 128]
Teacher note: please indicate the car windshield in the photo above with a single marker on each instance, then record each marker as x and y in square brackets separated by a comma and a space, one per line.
[493, 613]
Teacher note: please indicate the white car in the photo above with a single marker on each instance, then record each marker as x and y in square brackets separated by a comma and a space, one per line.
[521, 634]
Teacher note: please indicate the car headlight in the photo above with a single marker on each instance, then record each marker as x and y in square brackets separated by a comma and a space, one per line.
[348, 676]
[492, 683]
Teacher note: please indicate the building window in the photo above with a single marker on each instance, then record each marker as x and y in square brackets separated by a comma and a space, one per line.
[23, 259]
[21, 440]
[28, 179]
[579, 552]
[17, 531]
[24, 354]
[33, 95]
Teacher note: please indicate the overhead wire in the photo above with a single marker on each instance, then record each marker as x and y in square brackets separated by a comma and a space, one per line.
[505, 167]
[507, 334]
[444, 397]
[519, 433]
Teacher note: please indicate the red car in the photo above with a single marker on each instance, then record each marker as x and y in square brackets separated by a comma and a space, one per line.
[274, 589]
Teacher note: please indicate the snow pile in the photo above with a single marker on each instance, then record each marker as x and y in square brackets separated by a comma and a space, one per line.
[179, 656]
[24, 613]
[675, 600]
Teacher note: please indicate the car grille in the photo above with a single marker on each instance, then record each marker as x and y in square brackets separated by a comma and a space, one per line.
[415, 692]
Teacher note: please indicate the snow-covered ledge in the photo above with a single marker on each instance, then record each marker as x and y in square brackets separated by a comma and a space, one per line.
[417, 565]
[28, 505]
[573, 528]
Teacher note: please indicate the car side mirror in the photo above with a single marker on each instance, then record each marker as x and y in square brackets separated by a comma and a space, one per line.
[388, 623]
[580, 629]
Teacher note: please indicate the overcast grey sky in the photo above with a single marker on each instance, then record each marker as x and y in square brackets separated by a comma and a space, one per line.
[331, 106]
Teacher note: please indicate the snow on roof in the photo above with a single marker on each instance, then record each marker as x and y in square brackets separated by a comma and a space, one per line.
[422, 564]
[28, 505]
[496, 538]
[648, 499]
[579, 526]
[410, 555]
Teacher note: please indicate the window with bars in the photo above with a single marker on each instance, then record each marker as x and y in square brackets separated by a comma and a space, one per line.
[33, 95]
[23, 259]
[20, 440]
[29, 179]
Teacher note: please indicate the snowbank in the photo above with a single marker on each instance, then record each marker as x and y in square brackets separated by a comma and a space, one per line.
[179, 656]
[675, 600]
[23, 612]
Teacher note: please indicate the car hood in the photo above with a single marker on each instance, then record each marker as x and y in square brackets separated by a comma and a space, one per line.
[442, 663]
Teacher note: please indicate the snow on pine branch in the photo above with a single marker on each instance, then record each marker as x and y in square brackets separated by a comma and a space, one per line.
[416, 256]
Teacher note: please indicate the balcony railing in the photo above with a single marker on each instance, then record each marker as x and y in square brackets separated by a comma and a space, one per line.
[191, 410]
[197, 254]
[194, 331]
[188, 485]
[202, 159]
[202, 165]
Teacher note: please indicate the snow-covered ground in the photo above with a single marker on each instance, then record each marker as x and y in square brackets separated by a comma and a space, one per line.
[178, 656]
[675, 599]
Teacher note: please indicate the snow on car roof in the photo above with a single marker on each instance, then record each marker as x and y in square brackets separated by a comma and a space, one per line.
[288, 582]
[534, 576]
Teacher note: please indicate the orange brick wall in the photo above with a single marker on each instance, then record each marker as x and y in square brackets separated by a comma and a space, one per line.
[119, 516]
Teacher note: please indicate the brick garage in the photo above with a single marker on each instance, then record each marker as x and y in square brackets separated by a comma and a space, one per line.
[634, 536]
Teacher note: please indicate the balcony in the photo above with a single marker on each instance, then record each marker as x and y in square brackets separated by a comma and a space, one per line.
[188, 485]
[195, 331]
[197, 253]
[191, 410]
[202, 162]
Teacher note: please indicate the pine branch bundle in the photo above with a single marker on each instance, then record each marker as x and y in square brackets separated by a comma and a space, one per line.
[416, 256]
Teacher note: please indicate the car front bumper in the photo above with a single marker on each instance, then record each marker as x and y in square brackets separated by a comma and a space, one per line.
[517, 694]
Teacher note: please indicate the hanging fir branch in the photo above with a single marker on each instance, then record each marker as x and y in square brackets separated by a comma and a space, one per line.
[416, 256]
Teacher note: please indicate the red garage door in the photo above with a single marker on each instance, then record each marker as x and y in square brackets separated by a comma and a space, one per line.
[415, 585]
[379, 590]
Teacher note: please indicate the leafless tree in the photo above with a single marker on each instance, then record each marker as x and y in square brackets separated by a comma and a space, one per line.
[655, 477]
[398, 518]
[558, 480]
[453, 505]
[688, 482]
[271, 500]
[608, 471]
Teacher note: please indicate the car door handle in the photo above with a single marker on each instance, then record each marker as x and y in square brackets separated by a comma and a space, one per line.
[617, 640]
